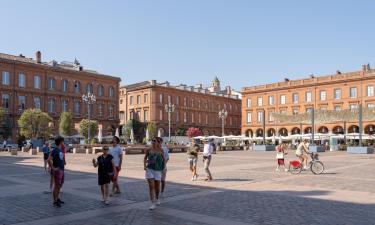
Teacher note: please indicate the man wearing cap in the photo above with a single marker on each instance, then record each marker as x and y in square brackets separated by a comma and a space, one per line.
[116, 152]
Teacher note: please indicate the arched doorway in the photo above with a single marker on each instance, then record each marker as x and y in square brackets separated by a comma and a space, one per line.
[338, 130]
[370, 129]
[271, 132]
[283, 132]
[353, 129]
[249, 133]
[307, 130]
[259, 132]
[296, 130]
[323, 130]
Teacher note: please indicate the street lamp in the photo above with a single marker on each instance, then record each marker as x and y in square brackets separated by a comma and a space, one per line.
[169, 108]
[223, 115]
[89, 99]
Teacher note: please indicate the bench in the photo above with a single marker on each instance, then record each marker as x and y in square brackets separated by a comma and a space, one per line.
[81, 151]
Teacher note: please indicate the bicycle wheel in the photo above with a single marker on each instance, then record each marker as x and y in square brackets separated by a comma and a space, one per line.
[295, 170]
[317, 167]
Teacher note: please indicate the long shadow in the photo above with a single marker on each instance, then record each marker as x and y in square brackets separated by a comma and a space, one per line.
[252, 207]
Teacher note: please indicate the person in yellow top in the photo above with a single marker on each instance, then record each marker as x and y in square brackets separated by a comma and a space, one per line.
[301, 150]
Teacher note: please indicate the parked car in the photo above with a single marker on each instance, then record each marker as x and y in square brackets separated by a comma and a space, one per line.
[11, 144]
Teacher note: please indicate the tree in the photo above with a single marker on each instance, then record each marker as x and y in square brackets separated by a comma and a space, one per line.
[181, 131]
[138, 129]
[152, 131]
[5, 125]
[66, 123]
[193, 132]
[84, 128]
[34, 123]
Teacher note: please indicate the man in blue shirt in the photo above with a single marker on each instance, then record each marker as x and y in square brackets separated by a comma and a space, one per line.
[56, 162]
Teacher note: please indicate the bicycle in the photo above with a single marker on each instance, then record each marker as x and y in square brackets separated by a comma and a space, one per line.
[315, 165]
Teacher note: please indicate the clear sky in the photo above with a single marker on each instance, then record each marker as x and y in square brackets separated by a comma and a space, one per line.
[244, 42]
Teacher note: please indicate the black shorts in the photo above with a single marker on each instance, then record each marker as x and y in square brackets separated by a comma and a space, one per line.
[45, 156]
[104, 179]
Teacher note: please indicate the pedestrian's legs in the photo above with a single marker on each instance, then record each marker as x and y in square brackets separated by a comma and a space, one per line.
[102, 191]
[45, 166]
[157, 188]
[207, 162]
[151, 186]
[51, 182]
[105, 194]
[56, 192]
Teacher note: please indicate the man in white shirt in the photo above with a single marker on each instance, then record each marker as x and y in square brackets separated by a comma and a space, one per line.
[207, 152]
[116, 152]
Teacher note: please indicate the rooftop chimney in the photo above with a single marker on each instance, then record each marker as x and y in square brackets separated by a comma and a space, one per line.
[38, 57]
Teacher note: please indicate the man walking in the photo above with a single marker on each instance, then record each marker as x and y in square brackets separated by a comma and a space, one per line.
[116, 152]
[207, 154]
[56, 163]
[192, 153]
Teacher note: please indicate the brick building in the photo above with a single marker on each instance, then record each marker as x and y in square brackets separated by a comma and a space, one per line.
[195, 106]
[333, 92]
[54, 88]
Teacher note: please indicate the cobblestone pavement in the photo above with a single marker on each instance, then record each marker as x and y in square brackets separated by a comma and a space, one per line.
[246, 190]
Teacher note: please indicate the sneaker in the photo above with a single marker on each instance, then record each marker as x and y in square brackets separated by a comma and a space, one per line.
[277, 169]
[111, 195]
[152, 207]
[196, 176]
[102, 200]
[57, 204]
[305, 168]
[59, 201]
[193, 179]
[158, 202]
[106, 202]
[286, 170]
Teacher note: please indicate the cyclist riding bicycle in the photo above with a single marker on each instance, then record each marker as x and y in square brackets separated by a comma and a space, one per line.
[301, 149]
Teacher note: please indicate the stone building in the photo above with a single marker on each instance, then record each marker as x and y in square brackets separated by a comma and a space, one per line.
[54, 88]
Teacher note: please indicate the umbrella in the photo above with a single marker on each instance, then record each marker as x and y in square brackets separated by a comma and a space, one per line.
[132, 136]
[100, 135]
[117, 134]
[159, 133]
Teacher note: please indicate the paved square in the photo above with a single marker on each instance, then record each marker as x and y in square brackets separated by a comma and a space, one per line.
[246, 190]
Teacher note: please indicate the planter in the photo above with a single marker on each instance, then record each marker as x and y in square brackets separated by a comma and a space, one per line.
[315, 148]
[360, 150]
[13, 151]
[264, 148]
[33, 152]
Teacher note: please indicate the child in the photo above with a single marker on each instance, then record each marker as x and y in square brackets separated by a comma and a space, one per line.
[280, 157]
[105, 172]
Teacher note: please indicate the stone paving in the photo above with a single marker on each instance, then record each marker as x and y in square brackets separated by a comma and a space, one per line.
[246, 190]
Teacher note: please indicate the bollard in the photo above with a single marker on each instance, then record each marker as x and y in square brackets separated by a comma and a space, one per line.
[13, 151]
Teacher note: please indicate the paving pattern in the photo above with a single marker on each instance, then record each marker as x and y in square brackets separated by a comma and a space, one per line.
[246, 190]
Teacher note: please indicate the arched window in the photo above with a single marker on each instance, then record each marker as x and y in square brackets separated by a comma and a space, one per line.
[64, 85]
[100, 90]
[51, 105]
[77, 87]
[89, 88]
[111, 92]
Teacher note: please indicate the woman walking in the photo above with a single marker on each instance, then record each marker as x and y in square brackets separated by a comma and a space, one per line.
[153, 165]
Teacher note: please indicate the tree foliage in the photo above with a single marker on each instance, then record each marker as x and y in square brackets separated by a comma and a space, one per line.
[34, 123]
[193, 132]
[84, 128]
[66, 123]
[181, 131]
[138, 129]
[5, 125]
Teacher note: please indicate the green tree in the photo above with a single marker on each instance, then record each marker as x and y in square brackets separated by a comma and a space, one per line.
[66, 123]
[5, 125]
[181, 131]
[84, 128]
[34, 123]
[152, 131]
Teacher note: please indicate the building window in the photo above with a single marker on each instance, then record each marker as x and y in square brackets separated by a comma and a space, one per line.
[248, 117]
[370, 105]
[353, 92]
[5, 101]
[308, 96]
[37, 103]
[177, 116]
[138, 99]
[89, 88]
[185, 117]
[185, 102]
[100, 110]
[122, 115]
[5, 78]
[199, 118]
[77, 87]
[110, 108]
[309, 110]
[64, 106]
[77, 108]
[51, 105]
[370, 91]
[51, 83]
[260, 116]
[145, 98]
[131, 100]
[282, 99]
[145, 115]
[37, 82]
[160, 114]
[337, 107]
[21, 80]
[161, 98]
[353, 106]
[295, 111]
[178, 100]
[169, 99]
[260, 101]
[271, 100]
[111, 92]
[21, 102]
[100, 90]
[337, 93]
[192, 117]
[64, 86]
[323, 95]
[206, 119]
[295, 97]
[270, 116]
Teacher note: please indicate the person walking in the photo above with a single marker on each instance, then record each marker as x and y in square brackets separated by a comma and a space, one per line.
[46, 150]
[56, 162]
[166, 159]
[192, 153]
[116, 152]
[207, 155]
[106, 167]
[153, 165]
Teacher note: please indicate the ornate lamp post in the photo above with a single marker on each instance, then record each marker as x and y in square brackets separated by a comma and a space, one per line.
[89, 99]
[169, 108]
[223, 115]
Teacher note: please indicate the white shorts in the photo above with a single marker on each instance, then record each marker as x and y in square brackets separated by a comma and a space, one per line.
[153, 174]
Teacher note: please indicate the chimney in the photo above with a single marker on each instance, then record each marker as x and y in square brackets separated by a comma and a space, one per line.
[38, 57]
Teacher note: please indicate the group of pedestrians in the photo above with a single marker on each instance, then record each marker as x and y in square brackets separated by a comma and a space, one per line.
[193, 152]
[301, 152]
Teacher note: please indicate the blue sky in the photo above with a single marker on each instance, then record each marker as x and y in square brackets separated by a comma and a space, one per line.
[244, 42]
